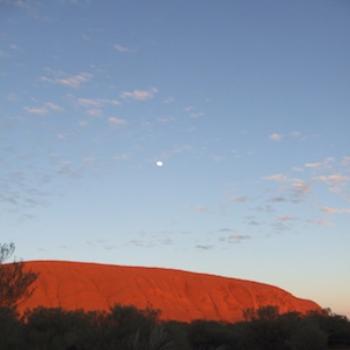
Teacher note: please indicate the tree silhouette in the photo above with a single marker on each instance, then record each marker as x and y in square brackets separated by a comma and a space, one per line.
[15, 282]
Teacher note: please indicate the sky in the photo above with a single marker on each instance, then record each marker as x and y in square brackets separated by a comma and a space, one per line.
[210, 136]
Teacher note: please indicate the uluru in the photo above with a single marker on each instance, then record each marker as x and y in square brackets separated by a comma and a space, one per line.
[178, 295]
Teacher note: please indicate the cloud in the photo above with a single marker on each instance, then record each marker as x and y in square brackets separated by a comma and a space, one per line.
[276, 136]
[201, 210]
[44, 109]
[333, 180]
[290, 189]
[234, 238]
[253, 222]
[196, 115]
[276, 178]
[20, 193]
[94, 112]
[193, 113]
[75, 81]
[204, 246]
[225, 229]
[318, 222]
[278, 199]
[296, 135]
[169, 99]
[325, 163]
[72, 81]
[94, 106]
[240, 199]
[300, 187]
[330, 210]
[121, 48]
[53, 106]
[16, 3]
[166, 119]
[89, 102]
[286, 218]
[116, 121]
[140, 95]
[314, 165]
[96, 102]
[36, 110]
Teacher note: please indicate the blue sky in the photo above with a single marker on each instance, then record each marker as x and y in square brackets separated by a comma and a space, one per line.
[243, 104]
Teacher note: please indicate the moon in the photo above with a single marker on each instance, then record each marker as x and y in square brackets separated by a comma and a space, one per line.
[159, 163]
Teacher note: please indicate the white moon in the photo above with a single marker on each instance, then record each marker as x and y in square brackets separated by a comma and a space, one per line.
[159, 163]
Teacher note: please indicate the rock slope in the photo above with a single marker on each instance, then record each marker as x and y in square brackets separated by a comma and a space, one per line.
[179, 295]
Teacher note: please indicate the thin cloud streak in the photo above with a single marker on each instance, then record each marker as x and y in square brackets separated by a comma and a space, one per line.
[140, 95]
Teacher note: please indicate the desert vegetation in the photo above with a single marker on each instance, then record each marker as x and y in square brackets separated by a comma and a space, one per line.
[15, 282]
[127, 328]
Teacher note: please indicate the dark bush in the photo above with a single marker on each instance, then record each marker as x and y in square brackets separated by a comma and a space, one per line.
[127, 328]
[10, 329]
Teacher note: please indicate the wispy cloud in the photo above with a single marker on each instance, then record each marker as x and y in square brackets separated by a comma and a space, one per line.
[94, 112]
[331, 210]
[89, 102]
[94, 106]
[97, 102]
[140, 95]
[234, 238]
[278, 199]
[117, 121]
[193, 112]
[324, 163]
[275, 136]
[289, 189]
[300, 187]
[44, 109]
[17, 3]
[166, 119]
[276, 178]
[73, 81]
[121, 48]
[201, 210]
[314, 165]
[294, 135]
[204, 246]
[240, 199]
[318, 222]
[333, 179]
[286, 218]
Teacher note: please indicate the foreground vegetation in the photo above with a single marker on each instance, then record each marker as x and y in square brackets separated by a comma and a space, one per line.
[127, 328]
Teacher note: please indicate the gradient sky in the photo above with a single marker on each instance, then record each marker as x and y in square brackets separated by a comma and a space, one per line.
[245, 103]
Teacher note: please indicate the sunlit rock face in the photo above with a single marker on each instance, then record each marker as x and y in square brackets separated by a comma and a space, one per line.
[179, 295]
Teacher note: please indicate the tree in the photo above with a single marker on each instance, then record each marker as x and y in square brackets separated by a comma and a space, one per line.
[308, 337]
[15, 283]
